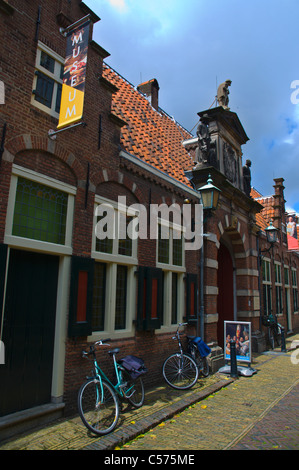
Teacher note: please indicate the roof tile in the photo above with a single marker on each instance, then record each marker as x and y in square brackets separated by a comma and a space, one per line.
[150, 135]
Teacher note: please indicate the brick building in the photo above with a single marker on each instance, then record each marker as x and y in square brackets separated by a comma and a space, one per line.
[279, 266]
[61, 285]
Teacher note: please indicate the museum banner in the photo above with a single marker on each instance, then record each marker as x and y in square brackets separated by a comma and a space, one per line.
[292, 232]
[74, 74]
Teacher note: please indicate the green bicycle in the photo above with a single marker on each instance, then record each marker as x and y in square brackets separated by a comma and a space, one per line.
[98, 397]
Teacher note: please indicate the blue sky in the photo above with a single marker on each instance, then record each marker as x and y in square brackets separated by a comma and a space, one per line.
[189, 46]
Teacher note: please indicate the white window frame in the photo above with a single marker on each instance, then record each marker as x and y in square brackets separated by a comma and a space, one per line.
[168, 270]
[295, 286]
[28, 243]
[114, 256]
[171, 266]
[278, 285]
[112, 260]
[59, 61]
[286, 269]
[267, 282]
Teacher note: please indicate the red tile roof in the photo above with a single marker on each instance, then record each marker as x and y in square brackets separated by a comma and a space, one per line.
[267, 213]
[150, 135]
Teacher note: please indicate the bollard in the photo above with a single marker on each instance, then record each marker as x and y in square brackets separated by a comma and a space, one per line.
[233, 360]
[283, 340]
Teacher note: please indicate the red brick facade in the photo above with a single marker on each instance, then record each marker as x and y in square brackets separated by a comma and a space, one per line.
[118, 153]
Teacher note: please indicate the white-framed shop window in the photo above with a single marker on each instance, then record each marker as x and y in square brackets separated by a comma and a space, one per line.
[278, 288]
[40, 212]
[170, 247]
[295, 289]
[115, 255]
[267, 287]
[47, 82]
[173, 298]
[111, 239]
[170, 257]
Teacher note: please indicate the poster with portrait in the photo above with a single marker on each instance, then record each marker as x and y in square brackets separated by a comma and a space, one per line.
[240, 333]
[292, 221]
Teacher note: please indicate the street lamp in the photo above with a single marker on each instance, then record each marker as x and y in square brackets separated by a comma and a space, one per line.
[209, 195]
[271, 234]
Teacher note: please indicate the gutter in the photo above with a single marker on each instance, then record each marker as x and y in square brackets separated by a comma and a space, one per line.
[159, 173]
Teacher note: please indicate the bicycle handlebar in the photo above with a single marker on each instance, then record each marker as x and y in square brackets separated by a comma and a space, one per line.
[179, 325]
[93, 347]
[177, 330]
[102, 341]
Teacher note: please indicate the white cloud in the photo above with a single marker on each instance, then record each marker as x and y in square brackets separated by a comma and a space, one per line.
[120, 5]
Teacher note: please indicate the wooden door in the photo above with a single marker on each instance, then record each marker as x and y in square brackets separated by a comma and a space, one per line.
[28, 331]
[225, 300]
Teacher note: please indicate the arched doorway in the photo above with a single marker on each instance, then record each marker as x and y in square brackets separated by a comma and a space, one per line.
[225, 282]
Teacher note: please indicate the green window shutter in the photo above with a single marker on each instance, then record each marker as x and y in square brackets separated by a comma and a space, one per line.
[191, 297]
[81, 290]
[3, 258]
[150, 298]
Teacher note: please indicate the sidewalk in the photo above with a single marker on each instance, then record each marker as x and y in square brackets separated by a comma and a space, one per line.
[163, 403]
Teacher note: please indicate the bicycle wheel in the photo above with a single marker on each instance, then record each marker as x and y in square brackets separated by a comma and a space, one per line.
[203, 365]
[133, 390]
[98, 406]
[202, 362]
[278, 336]
[180, 371]
[271, 337]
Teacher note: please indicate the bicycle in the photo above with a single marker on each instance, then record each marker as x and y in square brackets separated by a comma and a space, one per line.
[274, 330]
[201, 361]
[98, 397]
[180, 370]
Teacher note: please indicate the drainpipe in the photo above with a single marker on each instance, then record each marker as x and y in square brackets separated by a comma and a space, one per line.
[200, 297]
[202, 307]
[259, 276]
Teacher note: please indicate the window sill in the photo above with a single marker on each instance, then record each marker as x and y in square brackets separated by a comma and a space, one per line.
[37, 245]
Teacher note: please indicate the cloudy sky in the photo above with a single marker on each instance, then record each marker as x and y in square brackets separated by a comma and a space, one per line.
[190, 46]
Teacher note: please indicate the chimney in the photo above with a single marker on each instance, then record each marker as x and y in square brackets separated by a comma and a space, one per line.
[151, 90]
[279, 204]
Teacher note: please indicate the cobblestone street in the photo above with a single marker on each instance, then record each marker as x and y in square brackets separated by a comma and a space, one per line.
[254, 413]
[257, 413]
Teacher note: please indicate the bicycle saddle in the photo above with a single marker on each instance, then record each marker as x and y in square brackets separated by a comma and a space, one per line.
[113, 351]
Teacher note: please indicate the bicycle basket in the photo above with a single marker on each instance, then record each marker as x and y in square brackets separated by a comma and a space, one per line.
[203, 348]
[134, 365]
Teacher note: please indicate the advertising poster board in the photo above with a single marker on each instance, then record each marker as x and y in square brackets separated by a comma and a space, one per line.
[240, 332]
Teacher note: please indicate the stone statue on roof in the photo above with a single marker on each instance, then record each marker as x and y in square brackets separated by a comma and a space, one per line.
[247, 178]
[222, 94]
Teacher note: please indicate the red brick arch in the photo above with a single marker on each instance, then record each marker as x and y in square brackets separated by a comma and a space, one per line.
[115, 176]
[29, 142]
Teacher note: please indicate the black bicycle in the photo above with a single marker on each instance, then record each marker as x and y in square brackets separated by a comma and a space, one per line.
[180, 370]
[274, 330]
[200, 358]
